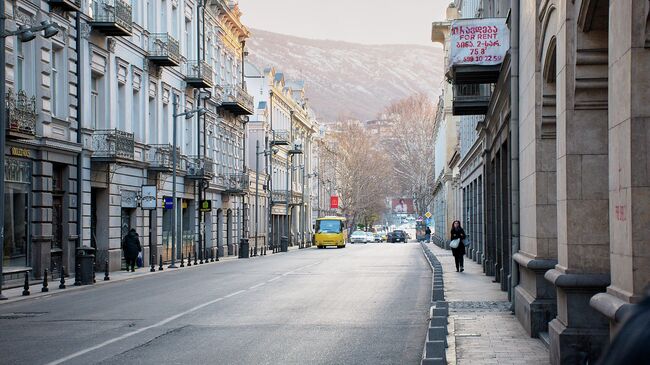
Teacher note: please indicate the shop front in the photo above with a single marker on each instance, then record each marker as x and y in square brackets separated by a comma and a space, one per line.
[17, 237]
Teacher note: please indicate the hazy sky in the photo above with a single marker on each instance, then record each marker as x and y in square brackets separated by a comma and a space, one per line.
[359, 21]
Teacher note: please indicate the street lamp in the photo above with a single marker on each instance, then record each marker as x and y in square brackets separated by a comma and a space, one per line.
[257, 186]
[24, 34]
[296, 150]
[188, 115]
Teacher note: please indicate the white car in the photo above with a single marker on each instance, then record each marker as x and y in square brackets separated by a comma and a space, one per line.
[371, 236]
[358, 237]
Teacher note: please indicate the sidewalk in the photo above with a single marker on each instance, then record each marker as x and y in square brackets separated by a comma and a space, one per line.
[482, 330]
[15, 294]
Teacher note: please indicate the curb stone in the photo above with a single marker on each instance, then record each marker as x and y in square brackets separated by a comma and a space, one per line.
[434, 351]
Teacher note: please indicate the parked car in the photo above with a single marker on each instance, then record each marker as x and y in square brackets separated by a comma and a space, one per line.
[371, 236]
[397, 236]
[358, 237]
[378, 237]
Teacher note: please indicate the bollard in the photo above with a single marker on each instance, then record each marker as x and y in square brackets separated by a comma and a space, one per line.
[77, 275]
[195, 263]
[45, 289]
[183, 261]
[160, 267]
[94, 279]
[26, 286]
[153, 265]
[211, 255]
[62, 282]
[106, 277]
[189, 258]
[200, 257]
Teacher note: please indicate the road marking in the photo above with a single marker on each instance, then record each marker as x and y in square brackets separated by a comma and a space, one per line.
[256, 286]
[127, 335]
[274, 279]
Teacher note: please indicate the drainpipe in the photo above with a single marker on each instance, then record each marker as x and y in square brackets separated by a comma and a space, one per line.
[79, 140]
[514, 145]
[197, 93]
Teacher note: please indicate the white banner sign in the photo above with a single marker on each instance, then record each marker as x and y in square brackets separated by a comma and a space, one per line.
[479, 42]
[149, 200]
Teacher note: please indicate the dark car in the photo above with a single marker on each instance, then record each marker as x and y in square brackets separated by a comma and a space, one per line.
[397, 236]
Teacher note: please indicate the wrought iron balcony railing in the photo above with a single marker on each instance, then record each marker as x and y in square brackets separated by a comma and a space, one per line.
[21, 115]
[67, 5]
[279, 196]
[113, 144]
[199, 74]
[113, 17]
[164, 50]
[199, 168]
[296, 199]
[237, 100]
[236, 183]
[281, 137]
[160, 158]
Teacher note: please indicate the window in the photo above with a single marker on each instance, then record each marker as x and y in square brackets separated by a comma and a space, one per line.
[188, 40]
[56, 83]
[121, 107]
[20, 65]
[151, 24]
[136, 124]
[152, 128]
[94, 101]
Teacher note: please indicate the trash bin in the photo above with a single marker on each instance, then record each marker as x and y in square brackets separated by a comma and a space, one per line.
[244, 248]
[284, 244]
[85, 259]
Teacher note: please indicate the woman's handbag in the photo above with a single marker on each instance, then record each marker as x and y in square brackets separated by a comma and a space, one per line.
[454, 243]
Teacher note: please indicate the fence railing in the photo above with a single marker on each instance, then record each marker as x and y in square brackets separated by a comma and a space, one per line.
[113, 143]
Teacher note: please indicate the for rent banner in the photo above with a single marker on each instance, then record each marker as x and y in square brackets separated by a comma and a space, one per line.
[479, 42]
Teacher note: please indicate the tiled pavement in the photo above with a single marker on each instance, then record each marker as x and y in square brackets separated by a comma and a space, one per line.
[482, 330]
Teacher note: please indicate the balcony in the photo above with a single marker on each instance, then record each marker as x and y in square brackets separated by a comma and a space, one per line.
[471, 99]
[112, 17]
[66, 5]
[198, 74]
[281, 137]
[236, 184]
[199, 168]
[21, 115]
[164, 50]
[113, 145]
[471, 74]
[279, 196]
[296, 199]
[237, 101]
[160, 158]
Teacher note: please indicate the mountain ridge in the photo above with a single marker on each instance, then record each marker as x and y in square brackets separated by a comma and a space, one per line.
[349, 79]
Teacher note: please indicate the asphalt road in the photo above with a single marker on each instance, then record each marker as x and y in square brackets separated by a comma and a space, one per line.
[365, 304]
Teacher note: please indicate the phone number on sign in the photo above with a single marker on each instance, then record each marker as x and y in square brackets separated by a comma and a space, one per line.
[485, 58]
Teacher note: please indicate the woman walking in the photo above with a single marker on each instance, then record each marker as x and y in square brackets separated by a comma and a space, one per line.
[131, 247]
[457, 232]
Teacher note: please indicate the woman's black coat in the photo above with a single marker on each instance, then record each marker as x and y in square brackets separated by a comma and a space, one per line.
[131, 245]
[458, 233]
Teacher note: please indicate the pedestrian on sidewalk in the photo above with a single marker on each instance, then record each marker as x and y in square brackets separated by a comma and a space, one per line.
[457, 232]
[131, 248]
[427, 234]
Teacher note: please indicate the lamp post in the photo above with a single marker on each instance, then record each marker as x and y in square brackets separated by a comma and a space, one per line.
[24, 34]
[297, 149]
[188, 115]
[257, 186]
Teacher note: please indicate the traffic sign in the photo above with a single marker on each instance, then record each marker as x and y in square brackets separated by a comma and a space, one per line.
[428, 214]
[168, 202]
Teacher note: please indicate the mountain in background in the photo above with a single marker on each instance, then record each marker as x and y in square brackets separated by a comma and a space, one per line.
[347, 79]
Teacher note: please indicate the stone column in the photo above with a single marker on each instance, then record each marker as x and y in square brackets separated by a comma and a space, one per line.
[535, 299]
[576, 334]
[629, 158]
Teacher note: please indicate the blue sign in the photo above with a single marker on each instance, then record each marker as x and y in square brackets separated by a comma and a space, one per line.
[428, 221]
[168, 203]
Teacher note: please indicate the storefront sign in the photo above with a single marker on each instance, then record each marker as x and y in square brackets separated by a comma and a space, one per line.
[21, 152]
[129, 199]
[334, 202]
[206, 206]
[148, 200]
[478, 42]
[168, 202]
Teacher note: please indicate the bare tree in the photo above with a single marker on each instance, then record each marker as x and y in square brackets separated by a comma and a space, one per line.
[361, 169]
[411, 147]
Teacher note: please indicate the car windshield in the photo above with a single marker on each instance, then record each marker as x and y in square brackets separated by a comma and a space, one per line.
[328, 226]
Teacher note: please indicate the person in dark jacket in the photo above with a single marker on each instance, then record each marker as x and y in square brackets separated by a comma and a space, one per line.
[427, 234]
[458, 232]
[131, 247]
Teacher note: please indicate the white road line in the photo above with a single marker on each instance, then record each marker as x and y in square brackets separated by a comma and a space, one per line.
[274, 279]
[127, 335]
[256, 286]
